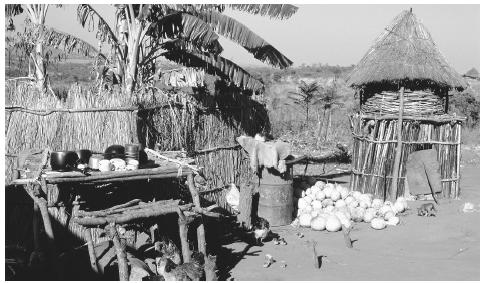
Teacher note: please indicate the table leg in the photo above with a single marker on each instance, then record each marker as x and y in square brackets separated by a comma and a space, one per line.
[92, 252]
[201, 228]
[183, 235]
[120, 253]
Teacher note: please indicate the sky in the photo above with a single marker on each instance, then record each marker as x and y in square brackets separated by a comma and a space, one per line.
[332, 34]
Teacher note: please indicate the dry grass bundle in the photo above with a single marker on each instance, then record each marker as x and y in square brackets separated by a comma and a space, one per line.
[405, 51]
[373, 155]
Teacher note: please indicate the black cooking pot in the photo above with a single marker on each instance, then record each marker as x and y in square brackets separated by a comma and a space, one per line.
[63, 160]
[114, 151]
[84, 155]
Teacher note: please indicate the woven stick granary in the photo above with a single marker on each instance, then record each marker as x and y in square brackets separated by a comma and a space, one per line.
[403, 68]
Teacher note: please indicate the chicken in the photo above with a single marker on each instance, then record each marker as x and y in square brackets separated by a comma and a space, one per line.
[190, 271]
[167, 248]
[261, 230]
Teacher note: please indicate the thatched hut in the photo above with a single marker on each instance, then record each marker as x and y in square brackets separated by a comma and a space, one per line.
[472, 74]
[403, 83]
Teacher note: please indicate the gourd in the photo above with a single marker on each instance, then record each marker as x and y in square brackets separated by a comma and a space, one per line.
[329, 209]
[377, 203]
[349, 199]
[378, 223]
[399, 207]
[344, 192]
[320, 195]
[316, 204]
[320, 185]
[388, 215]
[305, 219]
[393, 221]
[318, 223]
[327, 202]
[314, 213]
[335, 195]
[333, 224]
[301, 204]
[340, 203]
[369, 215]
[356, 194]
[354, 204]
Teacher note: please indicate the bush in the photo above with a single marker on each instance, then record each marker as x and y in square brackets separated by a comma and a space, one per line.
[465, 104]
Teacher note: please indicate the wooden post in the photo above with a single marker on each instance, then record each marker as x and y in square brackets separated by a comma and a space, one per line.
[120, 253]
[245, 205]
[210, 268]
[36, 227]
[183, 235]
[314, 255]
[92, 252]
[458, 162]
[201, 228]
[446, 106]
[397, 158]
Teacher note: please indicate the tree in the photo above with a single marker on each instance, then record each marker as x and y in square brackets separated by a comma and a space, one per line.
[329, 99]
[186, 34]
[37, 36]
[305, 97]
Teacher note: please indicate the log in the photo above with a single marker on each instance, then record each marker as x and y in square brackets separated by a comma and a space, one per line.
[120, 253]
[135, 215]
[111, 211]
[397, 158]
[113, 176]
[92, 252]
[245, 205]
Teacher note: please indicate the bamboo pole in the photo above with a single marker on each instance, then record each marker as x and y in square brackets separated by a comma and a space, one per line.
[397, 158]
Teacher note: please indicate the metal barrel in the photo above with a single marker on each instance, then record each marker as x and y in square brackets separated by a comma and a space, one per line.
[276, 196]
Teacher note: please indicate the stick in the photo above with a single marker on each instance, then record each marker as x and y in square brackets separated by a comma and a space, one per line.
[180, 163]
[397, 159]
[347, 238]
[201, 228]
[92, 252]
[120, 253]
[210, 268]
[314, 254]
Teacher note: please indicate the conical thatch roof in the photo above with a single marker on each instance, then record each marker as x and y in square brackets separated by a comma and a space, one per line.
[473, 73]
[405, 51]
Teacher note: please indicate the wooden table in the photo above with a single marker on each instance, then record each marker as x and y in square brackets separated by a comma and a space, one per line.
[35, 186]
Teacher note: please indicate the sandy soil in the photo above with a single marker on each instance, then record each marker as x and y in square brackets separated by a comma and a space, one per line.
[445, 247]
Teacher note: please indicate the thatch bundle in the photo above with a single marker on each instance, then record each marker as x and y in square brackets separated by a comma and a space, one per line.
[405, 51]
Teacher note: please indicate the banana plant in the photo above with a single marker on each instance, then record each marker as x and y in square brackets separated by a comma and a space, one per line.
[36, 37]
[185, 34]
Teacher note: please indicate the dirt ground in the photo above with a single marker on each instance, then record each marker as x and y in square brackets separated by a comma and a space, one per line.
[445, 247]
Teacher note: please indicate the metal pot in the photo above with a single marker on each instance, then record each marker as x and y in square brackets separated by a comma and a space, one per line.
[114, 151]
[63, 160]
[94, 162]
[84, 155]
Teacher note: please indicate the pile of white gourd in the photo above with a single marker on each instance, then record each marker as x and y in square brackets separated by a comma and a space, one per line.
[329, 207]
